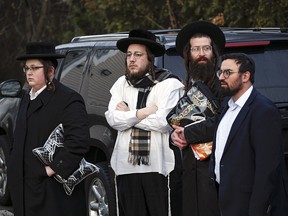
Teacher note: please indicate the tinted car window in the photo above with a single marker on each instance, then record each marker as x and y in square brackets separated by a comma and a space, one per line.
[73, 67]
[106, 67]
[174, 63]
[271, 71]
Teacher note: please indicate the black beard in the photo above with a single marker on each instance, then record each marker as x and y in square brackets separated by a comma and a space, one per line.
[230, 92]
[202, 71]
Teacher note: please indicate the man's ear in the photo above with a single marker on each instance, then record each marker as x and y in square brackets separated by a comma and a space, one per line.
[246, 76]
[51, 72]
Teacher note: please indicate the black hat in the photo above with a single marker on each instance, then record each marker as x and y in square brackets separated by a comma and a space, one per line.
[40, 50]
[213, 31]
[139, 36]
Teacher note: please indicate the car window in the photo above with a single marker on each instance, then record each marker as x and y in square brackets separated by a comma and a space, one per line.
[174, 63]
[73, 67]
[271, 71]
[106, 66]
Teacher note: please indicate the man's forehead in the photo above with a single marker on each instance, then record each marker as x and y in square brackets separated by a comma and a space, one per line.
[229, 63]
[201, 40]
[137, 47]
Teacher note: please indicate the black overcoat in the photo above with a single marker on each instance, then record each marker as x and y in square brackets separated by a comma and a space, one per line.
[32, 191]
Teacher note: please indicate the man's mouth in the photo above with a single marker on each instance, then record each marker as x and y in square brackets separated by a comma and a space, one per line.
[202, 59]
[223, 84]
[132, 66]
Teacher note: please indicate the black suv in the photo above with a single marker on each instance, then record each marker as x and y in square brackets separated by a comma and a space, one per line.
[93, 63]
[8, 113]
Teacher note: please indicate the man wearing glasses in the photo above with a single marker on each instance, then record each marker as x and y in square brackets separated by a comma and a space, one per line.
[140, 101]
[48, 103]
[200, 44]
[247, 161]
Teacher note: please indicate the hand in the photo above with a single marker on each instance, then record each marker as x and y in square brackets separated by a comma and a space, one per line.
[122, 106]
[151, 110]
[49, 171]
[146, 111]
[178, 138]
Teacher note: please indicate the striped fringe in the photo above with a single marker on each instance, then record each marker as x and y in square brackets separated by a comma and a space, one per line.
[116, 195]
[169, 193]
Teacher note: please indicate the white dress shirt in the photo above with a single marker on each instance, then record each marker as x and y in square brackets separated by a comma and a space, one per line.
[225, 126]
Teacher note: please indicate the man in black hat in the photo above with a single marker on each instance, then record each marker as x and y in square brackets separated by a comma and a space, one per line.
[140, 101]
[200, 44]
[34, 191]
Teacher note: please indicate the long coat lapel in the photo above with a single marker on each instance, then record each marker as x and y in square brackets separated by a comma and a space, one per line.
[21, 119]
[239, 120]
[42, 99]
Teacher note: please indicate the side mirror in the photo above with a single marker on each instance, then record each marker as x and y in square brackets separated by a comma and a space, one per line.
[10, 88]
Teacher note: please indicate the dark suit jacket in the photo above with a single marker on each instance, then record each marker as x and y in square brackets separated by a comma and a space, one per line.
[252, 174]
[31, 189]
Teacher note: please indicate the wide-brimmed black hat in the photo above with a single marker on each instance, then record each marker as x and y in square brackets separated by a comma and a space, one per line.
[213, 31]
[40, 50]
[139, 36]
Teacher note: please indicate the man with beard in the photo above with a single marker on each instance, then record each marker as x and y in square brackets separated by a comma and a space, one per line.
[247, 161]
[200, 44]
[140, 102]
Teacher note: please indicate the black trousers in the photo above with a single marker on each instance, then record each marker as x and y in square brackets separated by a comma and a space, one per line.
[199, 194]
[176, 184]
[143, 194]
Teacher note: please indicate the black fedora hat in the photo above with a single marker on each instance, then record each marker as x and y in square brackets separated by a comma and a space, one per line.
[41, 50]
[139, 36]
[213, 31]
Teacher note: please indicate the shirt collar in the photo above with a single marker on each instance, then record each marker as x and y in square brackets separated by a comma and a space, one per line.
[33, 96]
[242, 100]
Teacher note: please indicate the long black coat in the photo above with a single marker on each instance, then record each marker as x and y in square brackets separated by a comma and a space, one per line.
[199, 196]
[32, 191]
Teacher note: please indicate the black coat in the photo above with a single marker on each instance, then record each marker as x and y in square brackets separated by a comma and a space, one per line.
[199, 196]
[32, 191]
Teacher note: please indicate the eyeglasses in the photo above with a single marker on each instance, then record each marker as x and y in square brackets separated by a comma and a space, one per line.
[226, 73]
[197, 49]
[137, 55]
[32, 68]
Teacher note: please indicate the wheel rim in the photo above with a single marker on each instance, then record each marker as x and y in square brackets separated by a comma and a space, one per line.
[3, 173]
[98, 203]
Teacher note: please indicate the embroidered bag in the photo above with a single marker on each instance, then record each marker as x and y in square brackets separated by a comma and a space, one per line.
[194, 107]
[45, 155]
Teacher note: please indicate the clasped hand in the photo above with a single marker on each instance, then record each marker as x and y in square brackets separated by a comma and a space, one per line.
[178, 137]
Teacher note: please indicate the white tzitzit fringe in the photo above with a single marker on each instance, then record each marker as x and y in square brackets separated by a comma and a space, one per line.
[116, 196]
[169, 193]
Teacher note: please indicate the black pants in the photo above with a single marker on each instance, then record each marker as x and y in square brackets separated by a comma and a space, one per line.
[199, 194]
[144, 194]
[176, 184]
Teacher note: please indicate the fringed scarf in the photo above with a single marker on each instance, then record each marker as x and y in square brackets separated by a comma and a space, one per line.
[140, 140]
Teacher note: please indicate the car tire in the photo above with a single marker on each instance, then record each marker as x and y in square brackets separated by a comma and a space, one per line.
[4, 155]
[100, 192]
